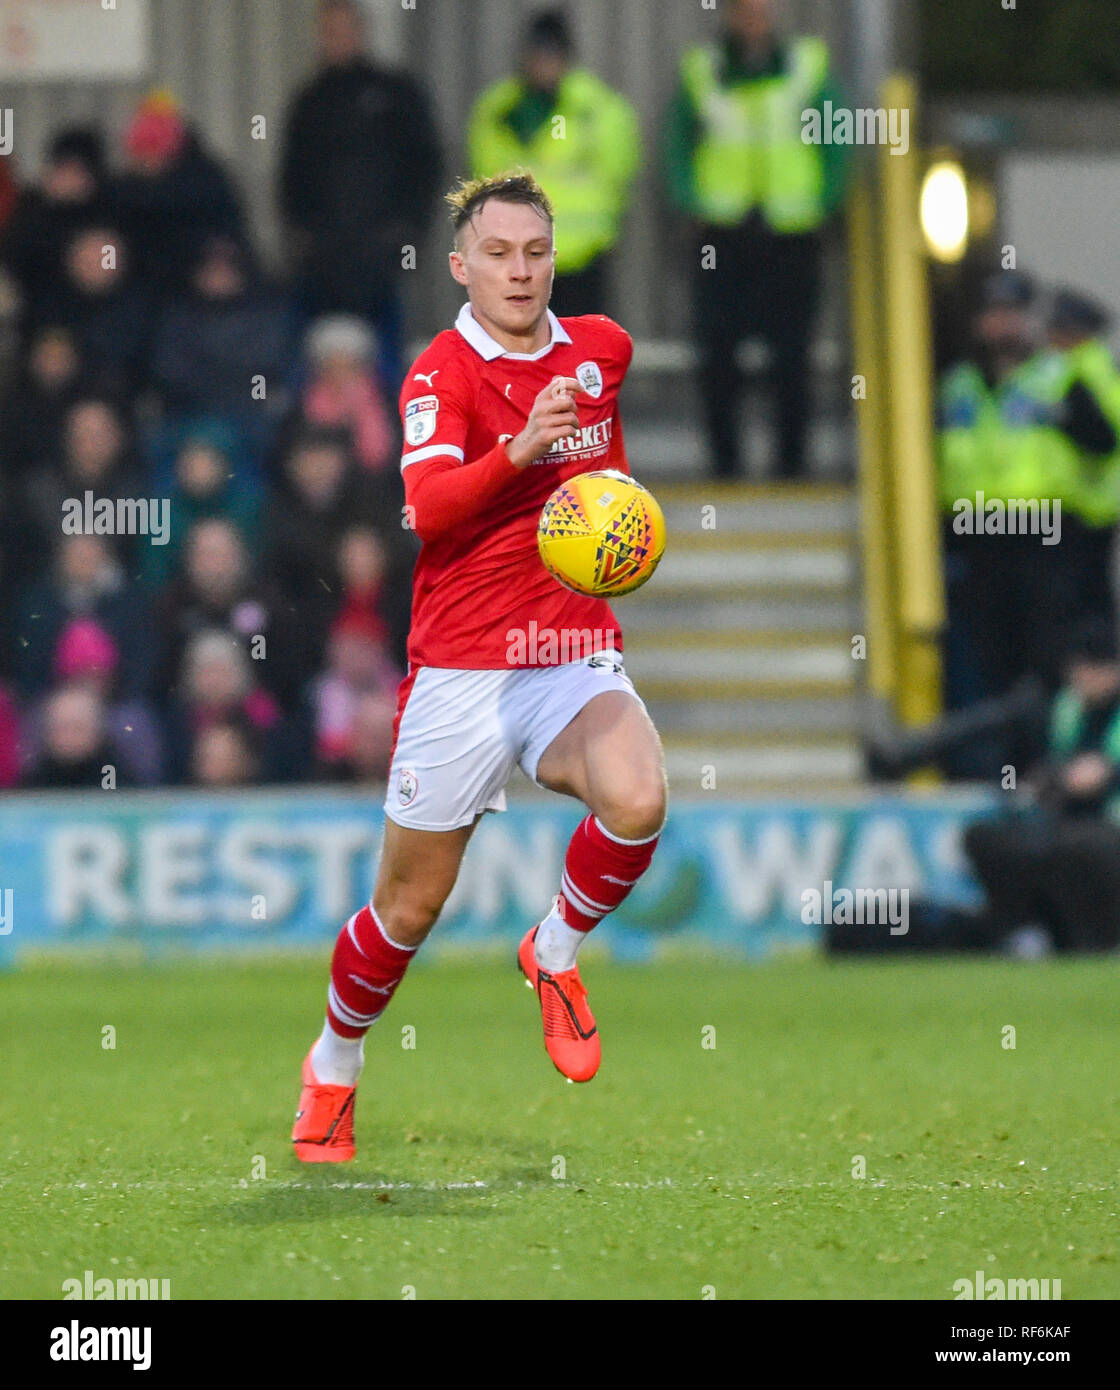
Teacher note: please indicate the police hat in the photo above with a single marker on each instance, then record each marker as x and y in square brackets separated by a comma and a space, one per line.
[550, 30]
[1007, 289]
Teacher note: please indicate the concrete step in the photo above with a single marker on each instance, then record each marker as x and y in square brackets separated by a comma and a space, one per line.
[710, 664]
[745, 688]
[758, 510]
[768, 542]
[731, 717]
[661, 447]
[693, 765]
[811, 614]
[759, 789]
[733, 570]
[746, 641]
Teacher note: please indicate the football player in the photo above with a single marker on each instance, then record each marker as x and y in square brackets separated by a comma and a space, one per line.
[499, 410]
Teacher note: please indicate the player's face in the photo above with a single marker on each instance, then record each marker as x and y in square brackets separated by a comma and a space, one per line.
[505, 260]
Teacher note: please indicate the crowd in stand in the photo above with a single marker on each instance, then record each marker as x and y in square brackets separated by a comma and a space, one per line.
[252, 630]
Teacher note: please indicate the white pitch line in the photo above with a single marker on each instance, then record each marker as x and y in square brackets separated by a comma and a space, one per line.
[477, 1185]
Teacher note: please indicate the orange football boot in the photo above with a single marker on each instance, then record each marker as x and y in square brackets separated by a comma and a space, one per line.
[571, 1038]
[324, 1127]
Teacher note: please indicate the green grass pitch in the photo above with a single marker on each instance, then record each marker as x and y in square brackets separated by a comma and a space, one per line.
[481, 1173]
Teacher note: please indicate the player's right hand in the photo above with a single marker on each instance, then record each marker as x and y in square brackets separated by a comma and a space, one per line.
[552, 417]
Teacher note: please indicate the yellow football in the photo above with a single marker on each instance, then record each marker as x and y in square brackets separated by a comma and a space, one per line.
[601, 533]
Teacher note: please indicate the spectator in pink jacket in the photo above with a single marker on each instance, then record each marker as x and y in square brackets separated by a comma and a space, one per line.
[360, 683]
[344, 391]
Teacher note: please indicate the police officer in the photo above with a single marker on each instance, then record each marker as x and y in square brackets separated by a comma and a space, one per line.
[758, 197]
[1087, 391]
[581, 141]
[1009, 592]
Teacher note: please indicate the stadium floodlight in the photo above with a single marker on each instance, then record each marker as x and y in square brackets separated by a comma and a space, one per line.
[944, 211]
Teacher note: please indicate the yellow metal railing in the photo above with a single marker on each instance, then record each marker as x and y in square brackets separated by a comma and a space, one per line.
[903, 587]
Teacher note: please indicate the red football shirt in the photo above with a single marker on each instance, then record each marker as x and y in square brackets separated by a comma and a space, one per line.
[480, 582]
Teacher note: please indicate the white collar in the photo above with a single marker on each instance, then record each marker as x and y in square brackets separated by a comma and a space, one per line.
[488, 348]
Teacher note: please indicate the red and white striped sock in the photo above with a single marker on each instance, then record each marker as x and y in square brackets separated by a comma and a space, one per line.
[600, 869]
[366, 968]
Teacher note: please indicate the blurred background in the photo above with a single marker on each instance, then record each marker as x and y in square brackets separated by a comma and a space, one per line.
[221, 243]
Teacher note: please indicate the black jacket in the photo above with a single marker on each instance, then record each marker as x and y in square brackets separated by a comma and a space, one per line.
[167, 217]
[359, 173]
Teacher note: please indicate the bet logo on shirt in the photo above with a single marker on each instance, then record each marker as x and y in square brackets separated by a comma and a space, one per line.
[420, 419]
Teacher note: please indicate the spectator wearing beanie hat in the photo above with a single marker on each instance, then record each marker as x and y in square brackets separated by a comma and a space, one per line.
[173, 193]
[85, 580]
[87, 656]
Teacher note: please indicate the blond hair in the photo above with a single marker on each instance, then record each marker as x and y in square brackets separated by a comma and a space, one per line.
[514, 186]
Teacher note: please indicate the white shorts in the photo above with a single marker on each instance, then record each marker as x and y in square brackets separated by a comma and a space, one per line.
[461, 733]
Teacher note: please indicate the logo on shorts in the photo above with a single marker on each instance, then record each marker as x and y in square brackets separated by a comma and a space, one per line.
[590, 378]
[407, 787]
[420, 419]
[607, 661]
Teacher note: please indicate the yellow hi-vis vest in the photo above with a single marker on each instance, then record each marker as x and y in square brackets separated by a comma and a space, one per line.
[750, 154]
[1095, 494]
[1005, 443]
[584, 164]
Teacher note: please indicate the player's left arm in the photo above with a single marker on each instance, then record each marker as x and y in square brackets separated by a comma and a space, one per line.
[441, 492]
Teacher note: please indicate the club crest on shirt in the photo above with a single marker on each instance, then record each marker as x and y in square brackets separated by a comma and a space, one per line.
[420, 419]
[407, 787]
[590, 378]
